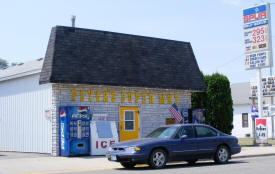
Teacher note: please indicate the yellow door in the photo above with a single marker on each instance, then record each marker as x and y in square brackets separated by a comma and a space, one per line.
[128, 123]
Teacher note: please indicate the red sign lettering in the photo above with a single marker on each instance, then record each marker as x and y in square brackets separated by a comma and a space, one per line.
[104, 144]
[112, 142]
[255, 16]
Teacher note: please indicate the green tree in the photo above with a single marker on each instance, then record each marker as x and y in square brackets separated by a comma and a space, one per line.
[217, 102]
[3, 64]
[199, 99]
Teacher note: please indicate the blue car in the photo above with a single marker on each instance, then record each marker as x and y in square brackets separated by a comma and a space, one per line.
[188, 142]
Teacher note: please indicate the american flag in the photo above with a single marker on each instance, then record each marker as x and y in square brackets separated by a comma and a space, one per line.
[174, 110]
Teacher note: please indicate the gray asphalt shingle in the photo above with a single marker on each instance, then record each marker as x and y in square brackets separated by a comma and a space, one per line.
[85, 56]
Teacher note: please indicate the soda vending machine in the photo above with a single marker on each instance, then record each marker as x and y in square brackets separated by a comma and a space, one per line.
[74, 129]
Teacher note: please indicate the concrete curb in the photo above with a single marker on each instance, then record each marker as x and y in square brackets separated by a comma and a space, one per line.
[256, 155]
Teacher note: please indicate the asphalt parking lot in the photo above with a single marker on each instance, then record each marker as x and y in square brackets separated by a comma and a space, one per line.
[23, 163]
[16, 155]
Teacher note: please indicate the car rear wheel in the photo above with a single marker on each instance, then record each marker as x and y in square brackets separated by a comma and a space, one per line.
[128, 165]
[192, 162]
[158, 159]
[222, 155]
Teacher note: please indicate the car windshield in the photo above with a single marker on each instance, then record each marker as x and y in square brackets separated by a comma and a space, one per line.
[162, 132]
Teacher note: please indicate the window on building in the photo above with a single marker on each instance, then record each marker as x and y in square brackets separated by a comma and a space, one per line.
[129, 121]
[245, 119]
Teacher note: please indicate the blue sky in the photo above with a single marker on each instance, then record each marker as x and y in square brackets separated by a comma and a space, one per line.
[213, 27]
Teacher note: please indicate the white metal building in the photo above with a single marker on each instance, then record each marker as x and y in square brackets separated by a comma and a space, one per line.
[22, 106]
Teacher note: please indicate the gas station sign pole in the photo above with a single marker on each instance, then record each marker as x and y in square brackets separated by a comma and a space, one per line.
[260, 93]
[258, 46]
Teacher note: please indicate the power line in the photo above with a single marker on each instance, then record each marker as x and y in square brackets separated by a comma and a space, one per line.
[238, 57]
[228, 62]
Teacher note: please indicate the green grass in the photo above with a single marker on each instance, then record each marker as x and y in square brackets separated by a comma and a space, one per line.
[249, 141]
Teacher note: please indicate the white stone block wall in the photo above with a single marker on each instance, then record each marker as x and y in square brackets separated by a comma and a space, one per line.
[151, 116]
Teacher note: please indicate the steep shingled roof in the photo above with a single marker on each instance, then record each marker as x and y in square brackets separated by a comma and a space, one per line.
[84, 56]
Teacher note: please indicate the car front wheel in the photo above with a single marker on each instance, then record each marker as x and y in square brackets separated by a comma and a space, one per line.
[158, 159]
[222, 155]
[128, 165]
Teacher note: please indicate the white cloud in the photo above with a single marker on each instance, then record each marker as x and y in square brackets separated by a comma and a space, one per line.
[232, 2]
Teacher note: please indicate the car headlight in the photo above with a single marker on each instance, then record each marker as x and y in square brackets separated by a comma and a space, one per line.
[132, 149]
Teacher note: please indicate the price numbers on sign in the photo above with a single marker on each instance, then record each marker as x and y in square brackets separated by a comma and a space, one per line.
[256, 39]
[259, 35]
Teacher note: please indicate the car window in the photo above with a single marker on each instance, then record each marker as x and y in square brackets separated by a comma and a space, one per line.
[186, 130]
[205, 132]
[163, 132]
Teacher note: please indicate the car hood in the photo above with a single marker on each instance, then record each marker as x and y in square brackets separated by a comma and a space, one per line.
[139, 142]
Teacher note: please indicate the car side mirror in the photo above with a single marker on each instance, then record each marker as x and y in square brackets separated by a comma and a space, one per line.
[183, 137]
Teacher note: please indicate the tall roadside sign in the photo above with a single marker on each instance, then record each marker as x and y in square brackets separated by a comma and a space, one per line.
[258, 44]
[257, 37]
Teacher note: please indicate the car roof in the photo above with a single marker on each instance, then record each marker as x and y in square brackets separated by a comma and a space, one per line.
[191, 124]
[188, 124]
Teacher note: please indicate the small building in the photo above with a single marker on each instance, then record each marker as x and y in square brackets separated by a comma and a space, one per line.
[109, 72]
[242, 121]
[242, 105]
